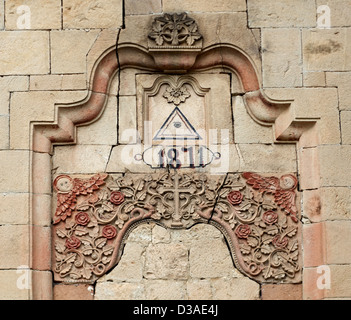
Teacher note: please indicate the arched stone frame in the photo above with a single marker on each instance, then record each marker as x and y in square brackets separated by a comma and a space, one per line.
[280, 115]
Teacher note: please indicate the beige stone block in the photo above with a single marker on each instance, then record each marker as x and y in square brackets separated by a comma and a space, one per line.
[14, 208]
[82, 159]
[122, 160]
[326, 49]
[92, 14]
[41, 173]
[345, 117]
[58, 82]
[340, 286]
[314, 79]
[342, 81]
[8, 285]
[42, 14]
[198, 289]
[104, 130]
[69, 49]
[143, 7]
[141, 234]
[4, 132]
[228, 289]
[14, 171]
[338, 240]
[128, 82]
[309, 168]
[127, 119]
[41, 213]
[160, 235]
[166, 261]
[281, 58]
[165, 290]
[273, 158]
[119, 291]
[14, 246]
[335, 165]
[282, 14]
[204, 6]
[130, 267]
[340, 12]
[246, 130]
[210, 259]
[24, 52]
[11, 83]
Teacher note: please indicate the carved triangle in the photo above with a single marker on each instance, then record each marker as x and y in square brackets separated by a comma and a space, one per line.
[177, 127]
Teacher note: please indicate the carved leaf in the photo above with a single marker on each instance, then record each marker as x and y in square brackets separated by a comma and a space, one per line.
[100, 243]
[61, 233]
[245, 249]
[60, 248]
[81, 231]
[252, 242]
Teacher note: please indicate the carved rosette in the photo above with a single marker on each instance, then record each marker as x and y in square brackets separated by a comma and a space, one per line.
[257, 215]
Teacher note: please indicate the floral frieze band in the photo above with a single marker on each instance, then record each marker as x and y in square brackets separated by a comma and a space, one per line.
[257, 215]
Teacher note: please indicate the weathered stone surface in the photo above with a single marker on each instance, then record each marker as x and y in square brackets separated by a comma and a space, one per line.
[340, 12]
[14, 208]
[228, 289]
[143, 7]
[338, 241]
[281, 58]
[81, 158]
[334, 165]
[58, 82]
[69, 49]
[246, 130]
[326, 50]
[14, 171]
[198, 289]
[165, 290]
[43, 14]
[204, 6]
[119, 291]
[314, 79]
[342, 81]
[278, 14]
[4, 132]
[24, 52]
[11, 83]
[346, 127]
[92, 14]
[127, 119]
[166, 261]
[130, 268]
[8, 285]
[160, 235]
[328, 204]
[14, 246]
[2, 14]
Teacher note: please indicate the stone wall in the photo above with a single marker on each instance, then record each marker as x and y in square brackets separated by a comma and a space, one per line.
[50, 52]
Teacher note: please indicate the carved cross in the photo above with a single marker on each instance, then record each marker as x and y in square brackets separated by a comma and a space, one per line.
[177, 190]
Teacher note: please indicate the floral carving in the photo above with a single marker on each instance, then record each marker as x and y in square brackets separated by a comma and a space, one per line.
[250, 208]
[175, 29]
[176, 95]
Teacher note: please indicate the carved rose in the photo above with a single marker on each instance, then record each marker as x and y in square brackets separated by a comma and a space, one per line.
[109, 232]
[270, 217]
[243, 231]
[117, 198]
[82, 218]
[280, 243]
[235, 197]
[73, 243]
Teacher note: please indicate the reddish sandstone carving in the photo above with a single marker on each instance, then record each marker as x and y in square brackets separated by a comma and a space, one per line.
[263, 241]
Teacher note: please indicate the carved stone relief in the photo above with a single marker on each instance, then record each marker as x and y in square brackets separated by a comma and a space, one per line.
[257, 214]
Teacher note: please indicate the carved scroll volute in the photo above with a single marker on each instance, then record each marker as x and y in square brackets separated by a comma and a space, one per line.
[175, 42]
